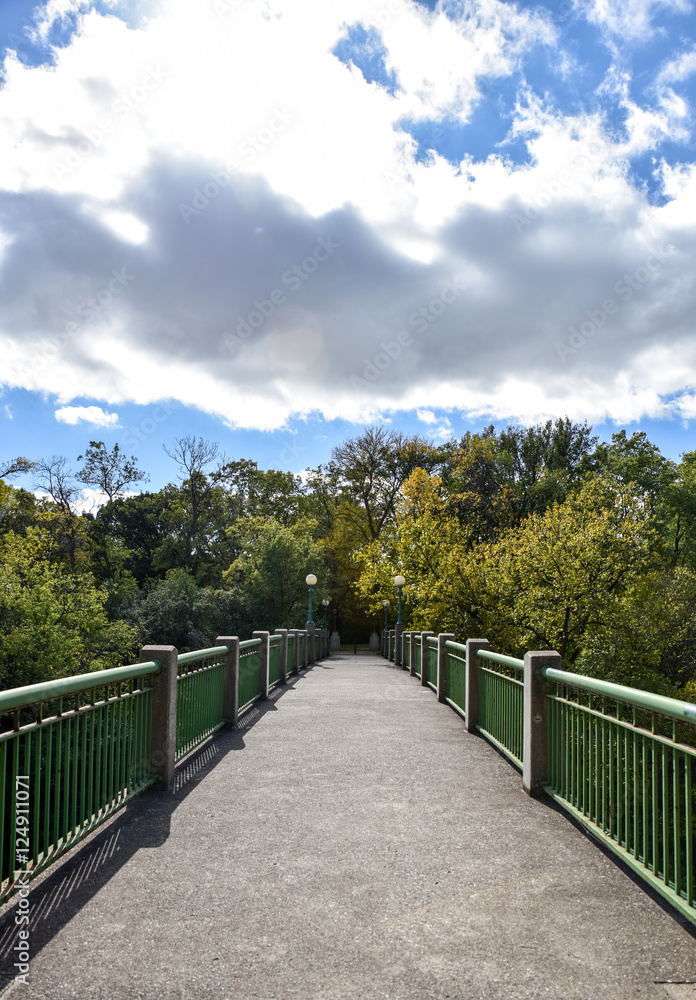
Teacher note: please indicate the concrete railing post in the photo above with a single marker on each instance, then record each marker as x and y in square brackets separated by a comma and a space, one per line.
[473, 682]
[535, 712]
[163, 734]
[230, 695]
[311, 653]
[304, 636]
[264, 652]
[424, 657]
[398, 651]
[283, 633]
[442, 638]
[412, 653]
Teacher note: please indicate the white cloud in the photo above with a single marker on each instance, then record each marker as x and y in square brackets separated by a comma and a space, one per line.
[54, 12]
[631, 19]
[427, 416]
[679, 69]
[272, 143]
[86, 415]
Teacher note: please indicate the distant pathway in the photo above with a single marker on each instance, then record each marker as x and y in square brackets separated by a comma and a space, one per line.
[350, 840]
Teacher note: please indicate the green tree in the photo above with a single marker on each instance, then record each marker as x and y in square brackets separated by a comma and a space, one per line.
[176, 611]
[269, 575]
[53, 622]
[109, 471]
[254, 492]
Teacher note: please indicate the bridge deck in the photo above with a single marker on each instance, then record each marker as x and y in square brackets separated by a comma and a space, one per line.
[350, 840]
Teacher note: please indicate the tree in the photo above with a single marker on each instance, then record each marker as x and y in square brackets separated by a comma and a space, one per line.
[53, 622]
[195, 512]
[55, 477]
[111, 472]
[561, 575]
[139, 525]
[177, 612]
[254, 492]
[57, 480]
[370, 470]
[15, 467]
[269, 575]
[427, 544]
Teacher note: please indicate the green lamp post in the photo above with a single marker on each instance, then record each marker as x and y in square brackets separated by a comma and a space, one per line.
[399, 581]
[310, 580]
[385, 605]
[325, 602]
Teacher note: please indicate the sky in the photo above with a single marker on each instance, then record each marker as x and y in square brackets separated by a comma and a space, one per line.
[272, 222]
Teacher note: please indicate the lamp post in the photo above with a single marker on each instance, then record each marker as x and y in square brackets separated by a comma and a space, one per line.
[399, 627]
[325, 602]
[399, 581]
[385, 604]
[310, 580]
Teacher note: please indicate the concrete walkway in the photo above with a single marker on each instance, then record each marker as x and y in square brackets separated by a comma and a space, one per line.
[350, 840]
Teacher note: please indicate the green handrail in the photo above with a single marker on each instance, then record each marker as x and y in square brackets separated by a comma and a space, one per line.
[203, 654]
[508, 661]
[671, 707]
[456, 647]
[20, 697]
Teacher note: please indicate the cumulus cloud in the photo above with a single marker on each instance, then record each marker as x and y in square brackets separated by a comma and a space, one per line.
[86, 415]
[427, 416]
[214, 209]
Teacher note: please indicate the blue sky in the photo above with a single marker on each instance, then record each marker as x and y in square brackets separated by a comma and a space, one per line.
[436, 214]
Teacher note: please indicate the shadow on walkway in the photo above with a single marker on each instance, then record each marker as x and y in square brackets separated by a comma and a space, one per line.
[60, 893]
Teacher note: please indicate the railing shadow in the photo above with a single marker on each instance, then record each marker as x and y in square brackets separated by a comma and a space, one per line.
[615, 859]
[56, 896]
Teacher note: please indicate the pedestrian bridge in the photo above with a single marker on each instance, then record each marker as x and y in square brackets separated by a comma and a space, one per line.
[350, 838]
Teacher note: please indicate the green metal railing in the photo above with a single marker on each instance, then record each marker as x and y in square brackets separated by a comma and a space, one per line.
[275, 642]
[431, 675]
[392, 644]
[501, 695]
[418, 644]
[291, 653]
[406, 659]
[249, 672]
[455, 689]
[621, 762]
[72, 752]
[200, 686]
